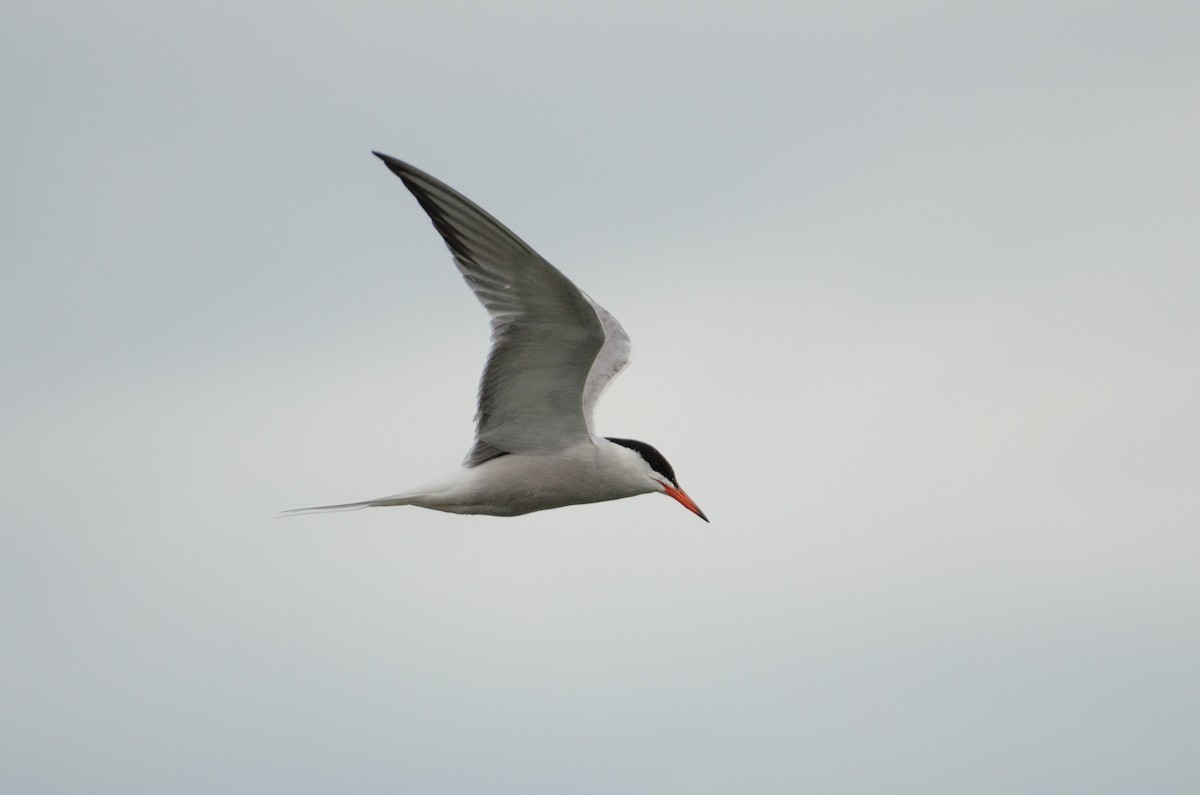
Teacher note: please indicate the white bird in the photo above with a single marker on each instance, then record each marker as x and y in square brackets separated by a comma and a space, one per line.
[554, 352]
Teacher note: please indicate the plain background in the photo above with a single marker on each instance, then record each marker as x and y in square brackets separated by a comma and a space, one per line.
[913, 289]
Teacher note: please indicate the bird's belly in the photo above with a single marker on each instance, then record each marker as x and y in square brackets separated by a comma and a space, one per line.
[518, 484]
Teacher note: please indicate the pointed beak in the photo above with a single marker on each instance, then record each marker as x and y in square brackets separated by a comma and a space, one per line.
[681, 496]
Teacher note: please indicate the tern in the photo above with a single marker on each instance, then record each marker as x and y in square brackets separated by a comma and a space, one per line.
[554, 352]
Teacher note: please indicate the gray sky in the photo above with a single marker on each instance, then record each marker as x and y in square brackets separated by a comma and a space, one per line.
[913, 290]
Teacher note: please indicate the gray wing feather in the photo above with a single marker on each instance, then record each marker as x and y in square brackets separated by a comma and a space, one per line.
[536, 394]
[615, 355]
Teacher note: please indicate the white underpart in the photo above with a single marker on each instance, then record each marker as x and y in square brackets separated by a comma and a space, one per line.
[593, 471]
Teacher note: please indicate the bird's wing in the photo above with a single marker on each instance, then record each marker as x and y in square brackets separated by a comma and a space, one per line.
[538, 387]
[614, 356]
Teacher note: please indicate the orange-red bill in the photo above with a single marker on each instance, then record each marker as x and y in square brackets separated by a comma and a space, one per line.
[684, 500]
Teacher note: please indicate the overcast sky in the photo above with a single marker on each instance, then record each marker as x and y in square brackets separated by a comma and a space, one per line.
[913, 290]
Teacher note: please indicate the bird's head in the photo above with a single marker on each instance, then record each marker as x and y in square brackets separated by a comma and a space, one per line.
[661, 473]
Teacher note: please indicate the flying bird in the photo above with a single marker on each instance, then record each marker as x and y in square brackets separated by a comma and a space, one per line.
[554, 352]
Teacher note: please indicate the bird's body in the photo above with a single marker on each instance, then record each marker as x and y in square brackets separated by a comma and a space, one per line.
[512, 485]
[554, 352]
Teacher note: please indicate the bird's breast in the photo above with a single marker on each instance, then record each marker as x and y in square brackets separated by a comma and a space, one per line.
[520, 483]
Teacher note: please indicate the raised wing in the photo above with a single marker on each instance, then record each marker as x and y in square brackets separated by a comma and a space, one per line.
[614, 356]
[536, 394]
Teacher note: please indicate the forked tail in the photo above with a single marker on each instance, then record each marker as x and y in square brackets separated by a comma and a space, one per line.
[396, 499]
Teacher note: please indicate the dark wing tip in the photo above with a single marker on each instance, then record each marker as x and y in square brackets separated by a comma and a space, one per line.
[398, 167]
[414, 178]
